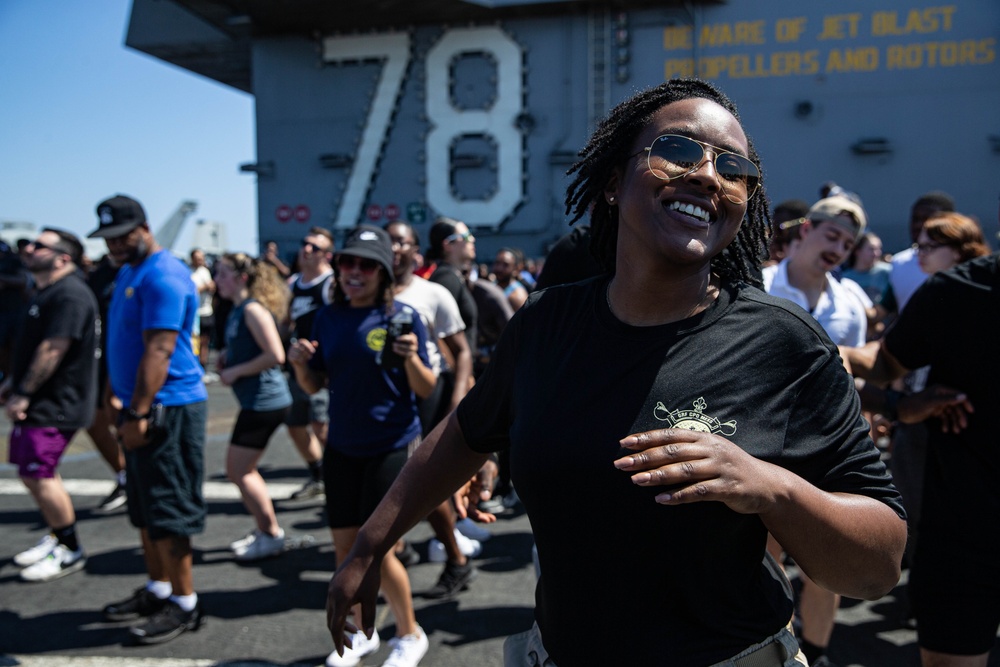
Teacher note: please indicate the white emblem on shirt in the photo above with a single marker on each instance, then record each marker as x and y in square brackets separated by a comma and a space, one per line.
[693, 420]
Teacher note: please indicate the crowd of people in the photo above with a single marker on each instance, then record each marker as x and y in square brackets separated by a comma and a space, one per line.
[689, 353]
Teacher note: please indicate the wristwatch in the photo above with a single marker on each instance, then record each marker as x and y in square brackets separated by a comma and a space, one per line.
[131, 415]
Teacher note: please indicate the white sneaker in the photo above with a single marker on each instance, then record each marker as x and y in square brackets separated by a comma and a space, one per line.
[37, 552]
[60, 562]
[473, 530]
[362, 646]
[469, 548]
[244, 541]
[407, 651]
[263, 546]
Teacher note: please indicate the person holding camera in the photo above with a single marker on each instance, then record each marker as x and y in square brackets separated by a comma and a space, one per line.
[372, 351]
[156, 377]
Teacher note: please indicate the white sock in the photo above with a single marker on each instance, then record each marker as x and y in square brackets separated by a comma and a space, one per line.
[161, 589]
[185, 602]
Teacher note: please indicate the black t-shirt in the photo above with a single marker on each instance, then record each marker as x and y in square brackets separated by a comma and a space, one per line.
[448, 275]
[102, 283]
[569, 380]
[306, 300]
[952, 324]
[65, 309]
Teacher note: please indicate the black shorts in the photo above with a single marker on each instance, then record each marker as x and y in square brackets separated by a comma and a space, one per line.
[253, 429]
[164, 481]
[102, 383]
[955, 590]
[206, 326]
[355, 486]
[435, 407]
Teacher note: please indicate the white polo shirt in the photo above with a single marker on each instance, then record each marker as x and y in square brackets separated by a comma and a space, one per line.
[906, 276]
[841, 309]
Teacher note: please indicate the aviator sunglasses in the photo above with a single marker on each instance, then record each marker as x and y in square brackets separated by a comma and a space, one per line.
[350, 262]
[672, 156]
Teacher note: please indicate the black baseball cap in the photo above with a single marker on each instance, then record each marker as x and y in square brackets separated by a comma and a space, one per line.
[370, 242]
[117, 216]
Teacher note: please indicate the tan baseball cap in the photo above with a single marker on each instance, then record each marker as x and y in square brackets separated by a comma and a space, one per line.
[845, 212]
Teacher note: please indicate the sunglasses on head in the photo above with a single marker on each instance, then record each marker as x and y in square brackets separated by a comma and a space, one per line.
[350, 262]
[672, 156]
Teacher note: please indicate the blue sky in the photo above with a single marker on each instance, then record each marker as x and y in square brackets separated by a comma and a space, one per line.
[82, 117]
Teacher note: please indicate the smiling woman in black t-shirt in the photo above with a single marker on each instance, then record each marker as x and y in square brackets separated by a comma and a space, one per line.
[700, 412]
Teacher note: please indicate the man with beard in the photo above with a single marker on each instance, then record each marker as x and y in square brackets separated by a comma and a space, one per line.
[51, 393]
[505, 268]
[311, 289]
[156, 376]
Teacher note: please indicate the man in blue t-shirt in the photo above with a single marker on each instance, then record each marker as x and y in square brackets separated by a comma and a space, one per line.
[156, 377]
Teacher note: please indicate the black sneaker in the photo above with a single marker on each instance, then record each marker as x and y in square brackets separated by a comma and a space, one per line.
[170, 622]
[453, 579]
[142, 603]
[115, 500]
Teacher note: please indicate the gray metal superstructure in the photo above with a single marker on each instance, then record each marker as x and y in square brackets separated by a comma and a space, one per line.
[385, 109]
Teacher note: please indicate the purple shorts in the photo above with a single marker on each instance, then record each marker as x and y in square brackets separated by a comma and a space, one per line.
[36, 450]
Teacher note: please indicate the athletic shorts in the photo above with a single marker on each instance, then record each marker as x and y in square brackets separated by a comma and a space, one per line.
[206, 325]
[307, 408]
[253, 429]
[164, 481]
[36, 450]
[435, 407]
[955, 594]
[355, 486]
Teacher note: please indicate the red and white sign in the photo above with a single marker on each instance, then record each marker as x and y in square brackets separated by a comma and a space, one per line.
[374, 212]
[283, 213]
[392, 211]
[302, 213]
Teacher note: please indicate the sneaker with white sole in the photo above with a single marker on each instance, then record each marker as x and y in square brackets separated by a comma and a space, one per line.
[360, 647]
[407, 651]
[473, 530]
[243, 542]
[263, 546]
[37, 552]
[469, 548]
[60, 562]
[314, 489]
[115, 500]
